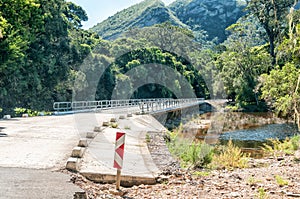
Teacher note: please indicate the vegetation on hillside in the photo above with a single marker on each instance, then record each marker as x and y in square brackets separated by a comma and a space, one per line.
[144, 14]
[46, 56]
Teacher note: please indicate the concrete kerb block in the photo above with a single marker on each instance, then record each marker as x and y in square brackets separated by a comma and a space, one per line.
[72, 164]
[122, 117]
[113, 119]
[90, 135]
[105, 124]
[98, 128]
[78, 152]
[83, 142]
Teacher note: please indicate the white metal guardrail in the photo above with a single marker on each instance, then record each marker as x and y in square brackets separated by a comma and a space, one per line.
[145, 105]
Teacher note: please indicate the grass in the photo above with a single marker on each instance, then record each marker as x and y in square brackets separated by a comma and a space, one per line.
[252, 181]
[148, 139]
[201, 173]
[262, 194]
[190, 153]
[201, 155]
[127, 127]
[230, 157]
[280, 181]
[278, 148]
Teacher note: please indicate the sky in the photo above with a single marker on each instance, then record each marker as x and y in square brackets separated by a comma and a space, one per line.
[99, 10]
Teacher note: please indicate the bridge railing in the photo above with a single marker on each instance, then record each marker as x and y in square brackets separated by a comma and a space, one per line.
[145, 105]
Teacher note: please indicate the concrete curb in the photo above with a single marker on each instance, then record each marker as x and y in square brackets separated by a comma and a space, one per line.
[73, 163]
[78, 152]
[126, 180]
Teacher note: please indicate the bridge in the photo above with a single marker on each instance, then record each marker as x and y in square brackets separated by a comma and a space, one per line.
[147, 106]
[139, 165]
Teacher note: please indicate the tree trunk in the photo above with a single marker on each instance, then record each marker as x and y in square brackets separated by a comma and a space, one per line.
[297, 114]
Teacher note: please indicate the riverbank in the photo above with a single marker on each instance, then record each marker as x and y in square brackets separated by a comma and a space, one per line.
[266, 178]
[263, 178]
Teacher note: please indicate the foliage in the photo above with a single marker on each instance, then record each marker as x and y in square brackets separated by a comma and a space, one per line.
[262, 193]
[272, 17]
[136, 16]
[148, 138]
[43, 49]
[252, 181]
[240, 68]
[280, 148]
[193, 154]
[114, 125]
[230, 157]
[280, 181]
[200, 173]
[281, 90]
[40, 43]
[18, 112]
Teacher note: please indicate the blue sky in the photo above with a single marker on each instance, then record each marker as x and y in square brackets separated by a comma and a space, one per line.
[99, 10]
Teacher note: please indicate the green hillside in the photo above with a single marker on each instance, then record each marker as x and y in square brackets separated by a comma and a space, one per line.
[144, 14]
[208, 16]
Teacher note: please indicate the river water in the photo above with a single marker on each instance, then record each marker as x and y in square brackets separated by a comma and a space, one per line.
[248, 131]
[255, 137]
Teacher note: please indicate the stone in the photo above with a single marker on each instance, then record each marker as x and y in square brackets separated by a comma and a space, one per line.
[6, 117]
[83, 142]
[105, 124]
[72, 164]
[78, 152]
[25, 115]
[117, 192]
[113, 119]
[122, 117]
[297, 155]
[129, 115]
[235, 194]
[98, 129]
[80, 195]
[90, 135]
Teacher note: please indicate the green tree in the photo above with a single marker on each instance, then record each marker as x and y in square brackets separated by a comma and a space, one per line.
[272, 16]
[41, 46]
[20, 21]
[240, 69]
[281, 87]
[281, 90]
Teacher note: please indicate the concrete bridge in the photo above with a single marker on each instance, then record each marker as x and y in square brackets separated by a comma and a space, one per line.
[136, 118]
[145, 106]
[84, 142]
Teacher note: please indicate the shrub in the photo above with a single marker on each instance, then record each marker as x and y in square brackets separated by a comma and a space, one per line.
[19, 111]
[114, 125]
[230, 157]
[279, 148]
[190, 154]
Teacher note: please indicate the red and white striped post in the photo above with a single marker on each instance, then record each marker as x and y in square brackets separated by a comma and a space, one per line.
[118, 159]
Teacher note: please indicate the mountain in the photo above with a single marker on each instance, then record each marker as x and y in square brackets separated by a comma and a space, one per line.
[144, 14]
[212, 16]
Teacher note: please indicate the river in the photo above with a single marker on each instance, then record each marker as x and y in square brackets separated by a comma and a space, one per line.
[247, 130]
